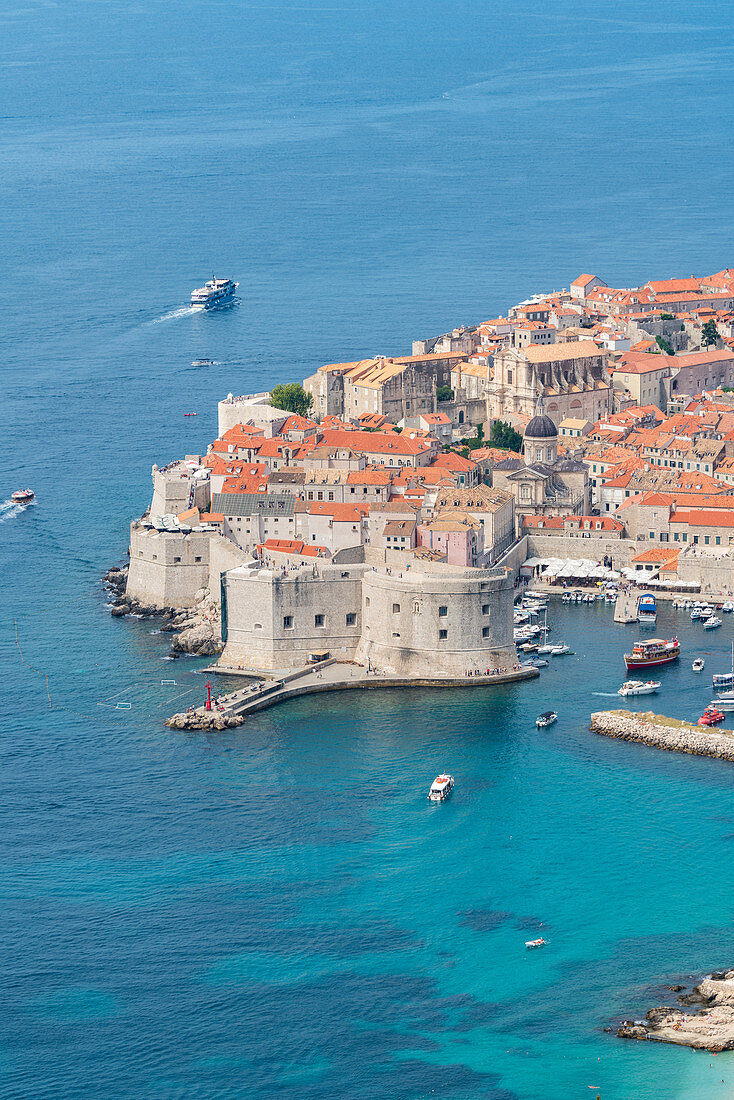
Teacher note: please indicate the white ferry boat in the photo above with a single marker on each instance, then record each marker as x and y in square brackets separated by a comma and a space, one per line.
[639, 687]
[23, 496]
[441, 788]
[217, 292]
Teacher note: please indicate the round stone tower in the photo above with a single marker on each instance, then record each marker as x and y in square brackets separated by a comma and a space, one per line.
[540, 442]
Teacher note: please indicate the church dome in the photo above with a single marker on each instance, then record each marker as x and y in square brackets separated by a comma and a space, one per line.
[541, 427]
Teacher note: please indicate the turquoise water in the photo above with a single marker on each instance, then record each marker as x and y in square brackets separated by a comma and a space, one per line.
[277, 910]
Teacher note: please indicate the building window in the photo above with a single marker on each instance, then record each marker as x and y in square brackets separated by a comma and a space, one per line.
[706, 540]
[443, 634]
[366, 601]
[287, 621]
[351, 618]
[331, 496]
[396, 609]
[318, 620]
[485, 609]
[176, 559]
[443, 611]
[652, 534]
[197, 559]
[485, 631]
[718, 541]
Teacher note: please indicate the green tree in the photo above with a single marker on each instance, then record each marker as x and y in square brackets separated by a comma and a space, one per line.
[291, 397]
[664, 345]
[444, 393]
[504, 435]
[667, 316]
[709, 334]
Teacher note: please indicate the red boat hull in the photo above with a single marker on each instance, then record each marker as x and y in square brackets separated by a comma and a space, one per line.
[650, 662]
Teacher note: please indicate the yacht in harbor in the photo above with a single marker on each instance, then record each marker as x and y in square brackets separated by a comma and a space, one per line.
[216, 292]
[658, 651]
[639, 687]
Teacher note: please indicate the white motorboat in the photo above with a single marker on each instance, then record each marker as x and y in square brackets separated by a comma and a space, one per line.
[547, 718]
[557, 650]
[567, 597]
[22, 496]
[536, 662]
[441, 788]
[540, 942]
[545, 649]
[711, 623]
[698, 664]
[697, 613]
[639, 687]
[728, 606]
[724, 702]
[724, 681]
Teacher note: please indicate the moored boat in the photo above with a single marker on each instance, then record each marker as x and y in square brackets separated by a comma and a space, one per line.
[559, 648]
[22, 496]
[698, 664]
[658, 651]
[724, 681]
[441, 788]
[712, 623]
[711, 716]
[639, 687]
[647, 610]
[547, 718]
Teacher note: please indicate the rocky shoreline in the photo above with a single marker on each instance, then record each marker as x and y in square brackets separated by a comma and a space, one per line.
[710, 1028]
[195, 630]
[660, 732]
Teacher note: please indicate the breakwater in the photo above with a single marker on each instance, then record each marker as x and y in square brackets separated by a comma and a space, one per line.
[229, 710]
[660, 732]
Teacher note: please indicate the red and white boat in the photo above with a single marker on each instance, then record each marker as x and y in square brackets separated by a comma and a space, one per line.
[657, 651]
[536, 943]
[23, 496]
[441, 788]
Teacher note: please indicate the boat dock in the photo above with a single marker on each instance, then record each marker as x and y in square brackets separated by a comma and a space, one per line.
[625, 607]
[230, 710]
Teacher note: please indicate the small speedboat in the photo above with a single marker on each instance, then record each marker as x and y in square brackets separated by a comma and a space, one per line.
[561, 647]
[547, 718]
[712, 623]
[202, 363]
[441, 788]
[23, 496]
[639, 687]
[698, 664]
[538, 662]
[728, 606]
[536, 943]
[189, 414]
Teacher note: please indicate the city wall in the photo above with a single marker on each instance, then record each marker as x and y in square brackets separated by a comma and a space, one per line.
[167, 568]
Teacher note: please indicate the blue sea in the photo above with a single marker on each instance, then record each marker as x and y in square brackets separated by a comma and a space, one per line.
[277, 910]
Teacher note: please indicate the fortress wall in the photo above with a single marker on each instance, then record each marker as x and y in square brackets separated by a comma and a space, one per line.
[166, 568]
[261, 601]
[404, 614]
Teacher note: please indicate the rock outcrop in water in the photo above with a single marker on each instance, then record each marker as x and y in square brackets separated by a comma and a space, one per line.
[712, 1028]
[204, 720]
[197, 630]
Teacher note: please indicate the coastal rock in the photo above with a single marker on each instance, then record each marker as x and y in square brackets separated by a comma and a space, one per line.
[119, 610]
[204, 720]
[712, 1028]
[199, 639]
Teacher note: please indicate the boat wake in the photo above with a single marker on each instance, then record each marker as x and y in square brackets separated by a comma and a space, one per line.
[605, 694]
[174, 314]
[9, 510]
